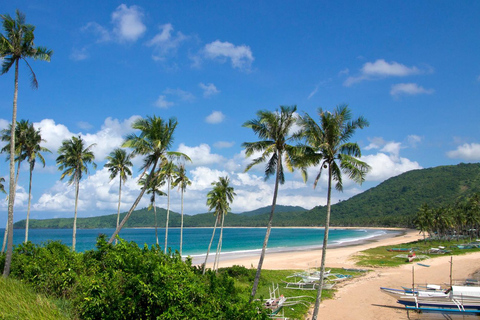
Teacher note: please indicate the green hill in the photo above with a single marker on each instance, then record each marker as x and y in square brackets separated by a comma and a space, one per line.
[392, 203]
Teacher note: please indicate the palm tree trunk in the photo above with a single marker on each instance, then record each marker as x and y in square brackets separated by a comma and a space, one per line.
[219, 246]
[168, 215]
[5, 238]
[127, 216]
[119, 202]
[324, 248]
[181, 229]
[267, 234]
[156, 224]
[74, 238]
[29, 202]
[11, 191]
[210, 245]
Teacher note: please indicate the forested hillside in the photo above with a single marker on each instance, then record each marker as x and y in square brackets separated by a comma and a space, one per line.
[394, 202]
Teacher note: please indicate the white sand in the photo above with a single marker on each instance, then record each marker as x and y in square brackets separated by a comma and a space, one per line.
[361, 298]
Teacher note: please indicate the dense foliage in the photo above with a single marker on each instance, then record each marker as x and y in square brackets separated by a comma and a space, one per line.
[128, 282]
[394, 202]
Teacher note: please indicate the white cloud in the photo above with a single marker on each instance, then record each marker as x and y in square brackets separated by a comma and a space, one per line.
[223, 144]
[240, 56]
[469, 152]
[181, 94]
[409, 89]
[215, 117]
[128, 25]
[163, 103]
[208, 89]
[386, 166]
[201, 155]
[84, 125]
[164, 43]
[79, 54]
[382, 69]
[414, 140]
[315, 90]
[102, 34]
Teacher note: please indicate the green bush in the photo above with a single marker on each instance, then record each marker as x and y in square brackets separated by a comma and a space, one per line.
[124, 281]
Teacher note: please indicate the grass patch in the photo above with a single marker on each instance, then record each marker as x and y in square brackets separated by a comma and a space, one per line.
[244, 279]
[380, 257]
[19, 301]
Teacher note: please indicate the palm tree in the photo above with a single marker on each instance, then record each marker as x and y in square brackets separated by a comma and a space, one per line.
[423, 220]
[182, 182]
[329, 141]
[2, 187]
[73, 160]
[219, 199]
[153, 142]
[274, 130]
[153, 188]
[17, 44]
[119, 164]
[33, 151]
[21, 130]
[168, 173]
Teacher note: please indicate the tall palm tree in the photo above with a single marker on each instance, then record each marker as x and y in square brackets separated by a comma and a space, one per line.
[219, 199]
[168, 173]
[273, 128]
[74, 159]
[2, 189]
[181, 182]
[153, 142]
[33, 150]
[15, 45]
[153, 188]
[21, 130]
[119, 164]
[329, 139]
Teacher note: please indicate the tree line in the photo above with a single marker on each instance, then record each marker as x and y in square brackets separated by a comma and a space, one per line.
[461, 219]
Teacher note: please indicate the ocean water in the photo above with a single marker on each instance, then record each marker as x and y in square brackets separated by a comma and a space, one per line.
[238, 241]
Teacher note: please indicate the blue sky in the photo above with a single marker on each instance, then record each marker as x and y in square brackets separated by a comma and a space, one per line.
[410, 67]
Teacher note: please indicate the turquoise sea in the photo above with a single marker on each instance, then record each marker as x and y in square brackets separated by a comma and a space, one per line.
[236, 241]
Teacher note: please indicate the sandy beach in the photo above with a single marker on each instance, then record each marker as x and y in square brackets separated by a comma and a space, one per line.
[362, 295]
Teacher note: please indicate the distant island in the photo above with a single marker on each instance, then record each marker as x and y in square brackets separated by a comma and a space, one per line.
[393, 203]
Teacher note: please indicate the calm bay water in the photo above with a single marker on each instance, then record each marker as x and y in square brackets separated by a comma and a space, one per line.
[196, 240]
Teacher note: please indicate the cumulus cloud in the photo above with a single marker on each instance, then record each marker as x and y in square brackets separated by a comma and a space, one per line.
[201, 155]
[163, 103]
[165, 43]
[409, 89]
[467, 151]
[208, 89]
[241, 56]
[128, 25]
[414, 140]
[215, 117]
[382, 69]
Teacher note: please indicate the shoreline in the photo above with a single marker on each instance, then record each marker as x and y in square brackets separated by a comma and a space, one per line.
[362, 294]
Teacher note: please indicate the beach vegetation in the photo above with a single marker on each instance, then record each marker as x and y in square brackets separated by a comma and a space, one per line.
[74, 158]
[383, 256]
[17, 43]
[154, 189]
[125, 281]
[274, 148]
[181, 181]
[153, 143]
[219, 200]
[167, 173]
[332, 151]
[119, 163]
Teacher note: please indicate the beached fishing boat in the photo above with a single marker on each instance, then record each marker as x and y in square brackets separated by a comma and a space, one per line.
[456, 297]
